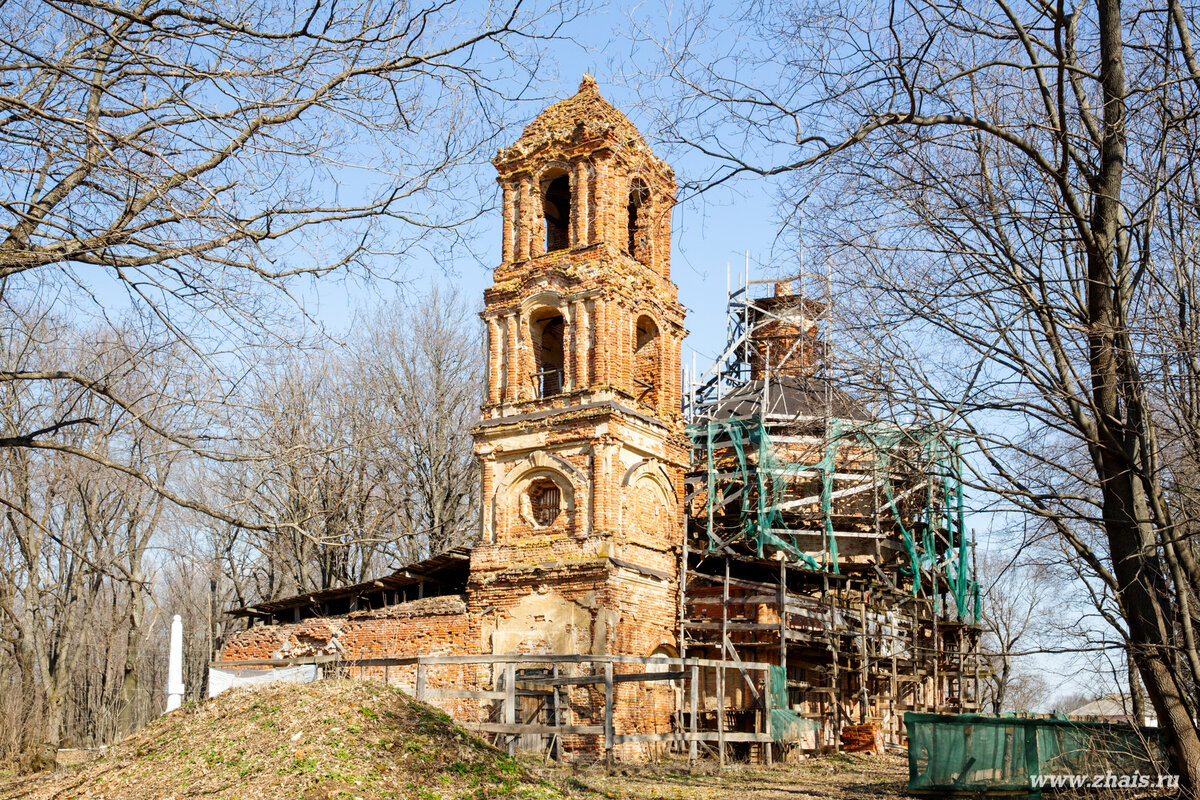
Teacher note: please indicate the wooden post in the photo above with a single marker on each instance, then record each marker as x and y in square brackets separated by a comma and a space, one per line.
[556, 721]
[937, 649]
[835, 693]
[510, 704]
[721, 713]
[420, 682]
[608, 712]
[768, 745]
[683, 571]
[782, 652]
[783, 615]
[976, 698]
[916, 657]
[895, 691]
[694, 703]
[961, 678]
[725, 611]
[864, 664]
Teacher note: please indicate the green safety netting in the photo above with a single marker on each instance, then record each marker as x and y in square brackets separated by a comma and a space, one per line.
[764, 477]
[983, 752]
[787, 725]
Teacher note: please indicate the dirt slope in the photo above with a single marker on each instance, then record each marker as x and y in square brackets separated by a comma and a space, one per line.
[316, 742]
[846, 776]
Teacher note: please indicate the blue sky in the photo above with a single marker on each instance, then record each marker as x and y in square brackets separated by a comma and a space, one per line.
[708, 232]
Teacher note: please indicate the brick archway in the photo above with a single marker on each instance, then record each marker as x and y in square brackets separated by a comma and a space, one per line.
[544, 465]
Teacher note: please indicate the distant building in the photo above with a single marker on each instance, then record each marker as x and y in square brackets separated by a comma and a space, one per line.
[1115, 707]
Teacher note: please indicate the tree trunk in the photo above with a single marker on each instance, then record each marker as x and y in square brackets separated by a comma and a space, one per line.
[127, 720]
[1002, 685]
[1119, 458]
[1137, 696]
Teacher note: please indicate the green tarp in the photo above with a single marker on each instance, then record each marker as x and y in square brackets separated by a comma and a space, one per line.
[984, 752]
[749, 462]
[786, 725]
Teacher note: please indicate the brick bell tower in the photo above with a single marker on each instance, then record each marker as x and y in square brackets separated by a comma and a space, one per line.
[581, 445]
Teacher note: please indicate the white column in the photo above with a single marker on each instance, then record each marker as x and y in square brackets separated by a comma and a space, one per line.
[175, 687]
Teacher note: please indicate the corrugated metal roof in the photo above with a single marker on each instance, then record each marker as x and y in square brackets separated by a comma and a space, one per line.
[1111, 705]
[789, 396]
[441, 568]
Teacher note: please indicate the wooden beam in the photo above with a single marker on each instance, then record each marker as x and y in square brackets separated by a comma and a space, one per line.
[512, 730]
[745, 673]
[584, 680]
[608, 712]
[694, 708]
[721, 717]
[465, 694]
[556, 721]
[510, 704]
[274, 662]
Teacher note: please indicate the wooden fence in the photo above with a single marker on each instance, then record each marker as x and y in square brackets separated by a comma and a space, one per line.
[513, 680]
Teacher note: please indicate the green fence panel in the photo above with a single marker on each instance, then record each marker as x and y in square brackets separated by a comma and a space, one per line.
[999, 753]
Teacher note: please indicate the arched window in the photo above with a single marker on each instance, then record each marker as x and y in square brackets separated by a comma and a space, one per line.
[547, 329]
[635, 244]
[556, 207]
[645, 361]
[545, 500]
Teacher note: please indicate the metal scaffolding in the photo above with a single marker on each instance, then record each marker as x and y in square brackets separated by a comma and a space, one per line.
[820, 538]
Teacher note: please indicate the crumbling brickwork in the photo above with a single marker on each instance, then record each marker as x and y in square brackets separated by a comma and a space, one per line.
[431, 626]
[786, 338]
[606, 432]
[581, 440]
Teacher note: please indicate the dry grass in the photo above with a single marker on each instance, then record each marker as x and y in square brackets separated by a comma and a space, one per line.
[334, 740]
[843, 776]
[316, 742]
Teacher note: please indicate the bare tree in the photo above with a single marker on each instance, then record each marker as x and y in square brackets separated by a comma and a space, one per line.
[172, 176]
[1011, 193]
[79, 534]
[421, 374]
[372, 463]
[358, 458]
[193, 160]
[1013, 611]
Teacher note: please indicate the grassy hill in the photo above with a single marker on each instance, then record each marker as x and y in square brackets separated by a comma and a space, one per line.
[317, 741]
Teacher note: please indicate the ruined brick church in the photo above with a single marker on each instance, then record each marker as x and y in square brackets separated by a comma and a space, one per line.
[611, 526]
[581, 440]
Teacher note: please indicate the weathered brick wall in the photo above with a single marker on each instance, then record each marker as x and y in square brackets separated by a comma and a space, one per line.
[604, 577]
[601, 577]
[430, 626]
[787, 339]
